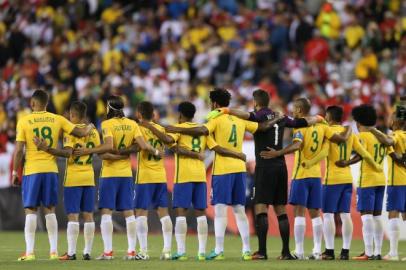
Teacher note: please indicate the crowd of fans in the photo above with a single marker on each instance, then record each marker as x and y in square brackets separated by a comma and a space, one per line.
[342, 52]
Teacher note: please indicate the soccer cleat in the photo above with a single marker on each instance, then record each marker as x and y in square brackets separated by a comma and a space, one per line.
[26, 257]
[67, 257]
[87, 257]
[246, 256]
[53, 256]
[179, 257]
[388, 257]
[328, 255]
[286, 257]
[403, 259]
[377, 257]
[344, 257]
[142, 256]
[363, 257]
[259, 256]
[166, 255]
[297, 256]
[130, 256]
[105, 256]
[315, 256]
[215, 256]
[201, 257]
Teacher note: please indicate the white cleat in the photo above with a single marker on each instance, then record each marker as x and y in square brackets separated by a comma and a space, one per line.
[298, 256]
[388, 257]
[142, 256]
[166, 255]
[315, 256]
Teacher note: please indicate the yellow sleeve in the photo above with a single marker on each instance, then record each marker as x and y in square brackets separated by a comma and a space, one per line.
[251, 127]
[106, 131]
[175, 136]
[297, 135]
[320, 156]
[328, 132]
[211, 125]
[67, 126]
[211, 143]
[137, 131]
[97, 138]
[360, 149]
[20, 137]
[67, 140]
[390, 150]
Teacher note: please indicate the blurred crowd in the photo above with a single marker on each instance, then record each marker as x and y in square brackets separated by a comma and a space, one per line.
[342, 52]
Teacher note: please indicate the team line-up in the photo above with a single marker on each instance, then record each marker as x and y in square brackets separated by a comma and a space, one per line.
[314, 139]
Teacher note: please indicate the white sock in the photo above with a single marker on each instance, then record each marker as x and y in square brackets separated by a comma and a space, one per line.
[368, 233]
[180, 234]
[220, 225]
[88, 232]
[106, 227]
[167, 229]
[329, 229]
[29, 232]
[243, 226]
[346, 230]
[142, 232]
[394, 226]
[72, 233]
[299, 231]
[52, 228]
[317, 234]
[202, 230]
[131, 233]
[378, 235]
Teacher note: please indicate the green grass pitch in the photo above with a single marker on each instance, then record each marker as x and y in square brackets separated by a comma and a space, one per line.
[12, 245]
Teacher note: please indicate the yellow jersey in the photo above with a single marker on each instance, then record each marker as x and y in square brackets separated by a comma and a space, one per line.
[368, 176]
[191, 169]
[150, 169]
[228, 132]
[397, 174]
[47, 126]
[337, 175]
[79, 170]
[123, 131]
[312, 139]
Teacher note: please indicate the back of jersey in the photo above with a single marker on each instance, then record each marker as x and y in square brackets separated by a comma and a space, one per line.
[123, 131]
[312, 140]
[369, 177]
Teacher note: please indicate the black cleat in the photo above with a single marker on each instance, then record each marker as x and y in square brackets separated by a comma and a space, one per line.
[259, 256]
[286, 257]
[344, 255]
[328, 255]
[377, 257]
[67, 257]
[87, 257]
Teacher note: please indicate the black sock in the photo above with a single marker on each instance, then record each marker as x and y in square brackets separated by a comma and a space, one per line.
[284, 231]
[261, 226]
[329, 252]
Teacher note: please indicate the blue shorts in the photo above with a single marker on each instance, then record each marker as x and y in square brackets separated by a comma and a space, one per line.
[151, 196]
[228, 189]
[116, 193]
[396, 198]
[306, 192]
[370, 198]
[79, 199]
[337, 198]
[40, 188]
[190, 194]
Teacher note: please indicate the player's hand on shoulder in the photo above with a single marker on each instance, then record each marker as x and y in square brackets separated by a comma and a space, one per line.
[144, 123]
[216, 113]
[270, 153]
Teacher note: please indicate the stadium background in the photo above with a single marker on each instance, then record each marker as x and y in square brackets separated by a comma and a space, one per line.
[344, 52]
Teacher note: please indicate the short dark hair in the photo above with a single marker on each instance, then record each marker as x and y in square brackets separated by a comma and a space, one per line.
[187, 109]
[116, 105]
[221, 96]
[365, 115]
[304, 104]
[80, 108]
[146, 109]
[336, 113]
[41, 96]
[261, 97]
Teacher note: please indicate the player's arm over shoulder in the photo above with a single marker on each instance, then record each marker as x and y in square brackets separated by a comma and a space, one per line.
[337, 137]
[70, 128]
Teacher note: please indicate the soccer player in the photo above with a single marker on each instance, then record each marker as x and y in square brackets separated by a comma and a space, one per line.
[79, 186]
[271, 177]
[228, 181]
[337, 186]
[40, 180]
[306, 184]
[116, 184]
[371, 185]
[190, 178]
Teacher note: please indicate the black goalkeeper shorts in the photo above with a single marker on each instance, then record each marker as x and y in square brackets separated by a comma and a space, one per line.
[271, 185]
